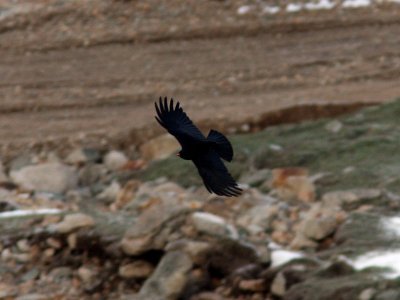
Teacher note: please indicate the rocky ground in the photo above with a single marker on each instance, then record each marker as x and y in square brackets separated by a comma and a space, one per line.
[317, 220]
[87, 72]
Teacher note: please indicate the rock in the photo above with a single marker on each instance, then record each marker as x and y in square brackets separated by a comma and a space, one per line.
[47, 177]
[137, 270]
[23, 245]
[159, 148]
[110, 193]
[346, 287]
[82, 156]
[390, 294]
[21, 161]
[91, 174]
[72, 222]
[293, 184]
[225, 256]
[115, 160]
[256, 178]
[367, 294]
[258, 218]
[61, 273]
[213, 225]
[252, 285]
[126, 194]
[169, 279]
[195, 249]
[302, 242]
[334, 126]
[3, 176]
[319, 222]
[208, 296]
[320, 227]
[154, 226]
[339, 198]
[89, 277]
[30, 275]
[278, 286]
[32, 297]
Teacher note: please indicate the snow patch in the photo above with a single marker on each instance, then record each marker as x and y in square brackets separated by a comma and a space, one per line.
[28, 213]
[391, 225]
[244, 9]
[322, 4]
[382, 259]
[280, 257]
[271, 10]
[294, 7]
[356, 3]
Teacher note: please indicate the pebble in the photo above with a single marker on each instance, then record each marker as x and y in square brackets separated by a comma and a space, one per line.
[213, 225]
[115, 160]
[73, 222]
[138, 269]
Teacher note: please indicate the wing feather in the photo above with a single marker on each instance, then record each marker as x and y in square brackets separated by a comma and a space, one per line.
[215, 175]
[175, 120]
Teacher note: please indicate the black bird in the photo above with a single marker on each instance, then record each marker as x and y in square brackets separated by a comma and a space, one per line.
[205, 152]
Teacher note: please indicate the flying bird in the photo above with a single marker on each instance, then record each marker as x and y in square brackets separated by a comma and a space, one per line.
[205, 152]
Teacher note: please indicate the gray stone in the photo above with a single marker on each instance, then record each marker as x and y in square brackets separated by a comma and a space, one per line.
[390, 294]
[256, 178]
[213, 225]
[32, 297]
[81, 156]
[169, 278]
[159, 148]
[154, 226]
[258, 218]
[137, 269]
[115, 160]
[367, 294]
[21, 161]
[319, 222]
[3, 176]
[350, 196]
[72, 222]
[278, 286]
[92, 174]
[47, 177]
[110, 193]
[334, 126]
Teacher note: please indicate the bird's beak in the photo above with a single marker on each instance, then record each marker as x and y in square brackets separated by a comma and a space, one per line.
[178, 154]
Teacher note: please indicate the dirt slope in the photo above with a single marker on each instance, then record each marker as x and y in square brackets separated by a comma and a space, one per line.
[61, 81]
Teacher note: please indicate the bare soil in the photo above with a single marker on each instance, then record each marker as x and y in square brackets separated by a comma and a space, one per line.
[72, 74]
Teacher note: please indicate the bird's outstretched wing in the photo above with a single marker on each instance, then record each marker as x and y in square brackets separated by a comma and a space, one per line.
[215, 176]
[175, 120]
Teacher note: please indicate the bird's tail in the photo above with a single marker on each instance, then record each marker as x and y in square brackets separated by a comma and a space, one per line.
[222, 145]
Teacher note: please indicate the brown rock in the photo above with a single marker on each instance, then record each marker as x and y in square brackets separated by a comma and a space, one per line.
[159, 147]
[293, 184]
[253, 285]
[138, 269]
[126, 194]
[73, 222]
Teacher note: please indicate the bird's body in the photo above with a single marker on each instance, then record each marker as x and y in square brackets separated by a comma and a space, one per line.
[205, 152]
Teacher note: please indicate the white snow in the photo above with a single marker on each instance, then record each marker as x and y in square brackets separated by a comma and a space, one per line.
[383, 259]
[280, 257]
[294, 7]
[391, 225]
[244, 9]
[33, 212]
[270, 9]
[356, 3]
[322, 4]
